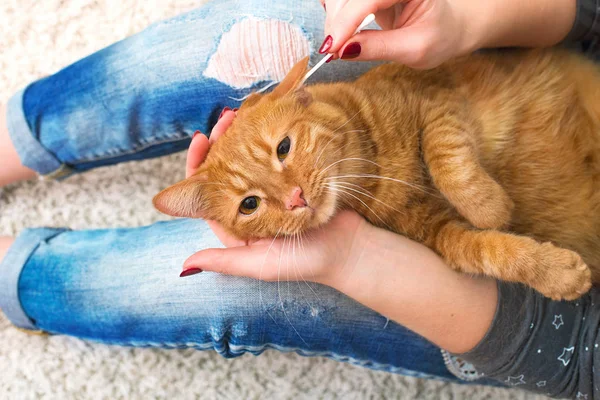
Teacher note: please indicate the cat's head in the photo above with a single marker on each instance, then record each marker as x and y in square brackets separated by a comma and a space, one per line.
[267, 173]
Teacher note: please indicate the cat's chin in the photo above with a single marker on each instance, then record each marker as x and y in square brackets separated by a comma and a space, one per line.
[323, 211]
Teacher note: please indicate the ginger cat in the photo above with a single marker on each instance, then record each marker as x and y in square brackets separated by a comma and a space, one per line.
[492, 160]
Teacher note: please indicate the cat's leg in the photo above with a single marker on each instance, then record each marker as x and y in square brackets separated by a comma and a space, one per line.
[146, 95]
[451, 157]
[122, 287]
[555, 272]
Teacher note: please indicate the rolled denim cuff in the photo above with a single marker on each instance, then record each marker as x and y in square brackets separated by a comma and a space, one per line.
[31, 153]
[10, 272]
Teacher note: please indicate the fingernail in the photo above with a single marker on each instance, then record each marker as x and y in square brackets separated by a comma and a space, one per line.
[326, 44]
[224, 111]
[351, 51]
[324, 7]
[329, 60]
[196, 134]
[190, 271]
[235, 110]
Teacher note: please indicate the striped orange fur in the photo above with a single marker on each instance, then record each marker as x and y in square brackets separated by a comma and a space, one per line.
[492, 160]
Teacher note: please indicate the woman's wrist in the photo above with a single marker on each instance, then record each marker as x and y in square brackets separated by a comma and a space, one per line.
[408, 283]
[516, 23]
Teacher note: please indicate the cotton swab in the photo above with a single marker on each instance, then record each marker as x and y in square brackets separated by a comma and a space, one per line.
[370, 18]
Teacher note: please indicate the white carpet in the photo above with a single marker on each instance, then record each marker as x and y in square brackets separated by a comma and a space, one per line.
[37, 38]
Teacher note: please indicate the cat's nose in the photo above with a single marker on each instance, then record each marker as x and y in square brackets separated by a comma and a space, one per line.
[295, 199]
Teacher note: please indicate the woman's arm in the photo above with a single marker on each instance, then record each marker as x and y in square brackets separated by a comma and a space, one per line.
[408, 283]
[426, 33]
[507, 331]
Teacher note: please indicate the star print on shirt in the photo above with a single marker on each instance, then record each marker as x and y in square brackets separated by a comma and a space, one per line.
[558, 321]
[515, 380]
[581, 396]
[541, 384]
[566, 355]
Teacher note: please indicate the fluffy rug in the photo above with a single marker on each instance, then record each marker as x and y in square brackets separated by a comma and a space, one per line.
[39, 37]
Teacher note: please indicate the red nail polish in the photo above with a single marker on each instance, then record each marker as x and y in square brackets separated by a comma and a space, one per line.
[329, 60]
[326, 44]
[224, 111]
[190, 271]
[196, 134]
[351, 51]
[235, 109]
[324, 6]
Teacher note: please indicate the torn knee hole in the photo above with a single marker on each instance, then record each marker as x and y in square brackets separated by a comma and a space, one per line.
[256, 50]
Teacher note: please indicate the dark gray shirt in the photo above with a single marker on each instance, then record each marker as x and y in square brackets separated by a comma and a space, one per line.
[541, 345]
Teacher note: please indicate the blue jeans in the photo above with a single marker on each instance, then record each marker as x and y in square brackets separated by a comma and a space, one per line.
[144, 97]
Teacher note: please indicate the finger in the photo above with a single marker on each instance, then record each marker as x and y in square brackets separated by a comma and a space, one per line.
[409, 46]
[386, 18]
[225, 237]
[222, 125]
[196, 153]
[332, 7]
[257, 261]
[345, 22]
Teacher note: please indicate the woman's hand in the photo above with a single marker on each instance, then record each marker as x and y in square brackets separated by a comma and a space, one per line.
[327, 255]
[321, 257]
[196, 155]
[417, 33]
[425, 33]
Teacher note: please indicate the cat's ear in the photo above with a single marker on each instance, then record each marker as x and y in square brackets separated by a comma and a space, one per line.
[303, 96]
[293, 80]
[184, 199]
[251, 100]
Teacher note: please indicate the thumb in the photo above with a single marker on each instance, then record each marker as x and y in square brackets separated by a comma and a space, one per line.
[409, 46]
[196, 153]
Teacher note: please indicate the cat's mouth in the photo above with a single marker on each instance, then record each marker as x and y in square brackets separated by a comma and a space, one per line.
[320, 207]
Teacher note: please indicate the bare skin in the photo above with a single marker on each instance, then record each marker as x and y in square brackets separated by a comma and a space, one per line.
[5, 243]
[425, 33]
[12, 170]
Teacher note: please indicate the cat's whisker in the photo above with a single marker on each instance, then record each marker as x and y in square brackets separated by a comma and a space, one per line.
[296, 270]
[351, 118]
[355, 185]
[279, 291]
[349, 159]
[363, 192]
[333, 137]
[287, 267]
[301, 248]
[310, 264]
[260, 275]
[415, 186]
[342, 190]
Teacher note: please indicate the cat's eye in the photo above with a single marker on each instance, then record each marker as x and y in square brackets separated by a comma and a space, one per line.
[283, 148]
[249, 205]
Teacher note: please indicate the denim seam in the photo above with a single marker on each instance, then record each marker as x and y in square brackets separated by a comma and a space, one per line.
[11, 268]
[238, 350]
[30, 150]
[140, 146]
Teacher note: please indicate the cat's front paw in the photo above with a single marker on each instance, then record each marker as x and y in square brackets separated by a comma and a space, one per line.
[493, 210]
[562, 273]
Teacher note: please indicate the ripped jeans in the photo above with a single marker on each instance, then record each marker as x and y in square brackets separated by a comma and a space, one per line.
[144, 97]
